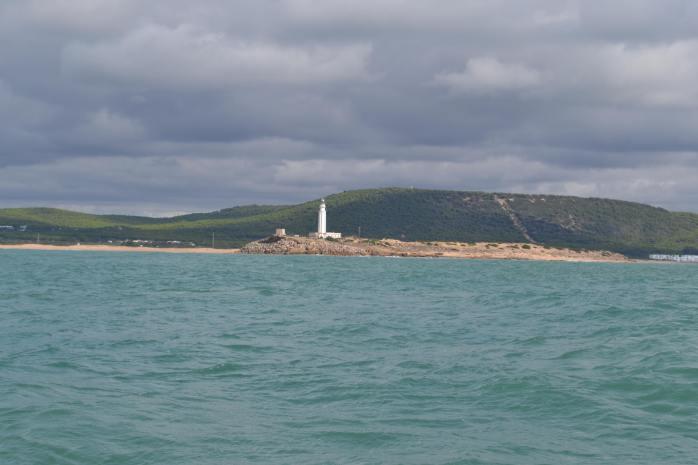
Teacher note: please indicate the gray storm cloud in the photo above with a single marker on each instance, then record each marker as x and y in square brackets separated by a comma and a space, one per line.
[168, 106]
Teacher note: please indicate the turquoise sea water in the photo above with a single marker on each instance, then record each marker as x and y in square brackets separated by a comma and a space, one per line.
[119, 358]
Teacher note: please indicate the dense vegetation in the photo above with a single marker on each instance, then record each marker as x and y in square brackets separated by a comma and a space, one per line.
[409, 214]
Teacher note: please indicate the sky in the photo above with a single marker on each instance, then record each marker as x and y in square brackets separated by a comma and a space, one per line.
[172, 106]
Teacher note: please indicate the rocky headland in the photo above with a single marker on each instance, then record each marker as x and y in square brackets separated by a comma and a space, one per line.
[352, 246]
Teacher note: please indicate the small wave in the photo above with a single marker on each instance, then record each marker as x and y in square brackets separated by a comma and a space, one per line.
[248, 348]
[685, 373]
[416, 365]
[532, 341]
[572, 354]
[63, 364]
[359, 438]
[227, 368]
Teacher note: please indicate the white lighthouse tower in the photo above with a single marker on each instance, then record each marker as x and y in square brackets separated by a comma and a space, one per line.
[322, 224]
[322, 219]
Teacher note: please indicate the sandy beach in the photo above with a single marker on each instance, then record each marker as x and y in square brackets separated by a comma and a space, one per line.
[117, 248]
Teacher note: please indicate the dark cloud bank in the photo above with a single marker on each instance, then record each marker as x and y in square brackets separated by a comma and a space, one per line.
[165, 106]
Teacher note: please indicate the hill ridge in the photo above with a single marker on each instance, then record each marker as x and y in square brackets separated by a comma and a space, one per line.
[514, 219]
[401, 213]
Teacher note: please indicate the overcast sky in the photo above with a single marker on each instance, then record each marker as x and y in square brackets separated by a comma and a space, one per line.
[168, 106]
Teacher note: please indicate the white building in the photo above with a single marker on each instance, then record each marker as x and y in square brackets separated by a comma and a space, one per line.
[322, 224]
[675, 258]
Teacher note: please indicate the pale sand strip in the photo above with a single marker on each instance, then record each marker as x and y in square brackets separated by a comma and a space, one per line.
[117, 248]
[389, 247]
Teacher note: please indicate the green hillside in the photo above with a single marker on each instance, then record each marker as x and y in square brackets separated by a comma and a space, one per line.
[408, 214]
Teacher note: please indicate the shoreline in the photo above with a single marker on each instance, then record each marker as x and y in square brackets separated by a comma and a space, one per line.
[503, 251]
[352, 246]
[119, 248]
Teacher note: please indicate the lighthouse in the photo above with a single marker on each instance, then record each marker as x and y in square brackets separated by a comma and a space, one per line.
[322, 218]
[322, 224]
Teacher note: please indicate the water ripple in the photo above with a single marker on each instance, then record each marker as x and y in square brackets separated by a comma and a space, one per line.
[151, 359]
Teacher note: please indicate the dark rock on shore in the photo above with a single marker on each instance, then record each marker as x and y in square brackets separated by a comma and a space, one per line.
[301, 246]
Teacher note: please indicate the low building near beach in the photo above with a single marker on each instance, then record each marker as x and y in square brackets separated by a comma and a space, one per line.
[675, 258]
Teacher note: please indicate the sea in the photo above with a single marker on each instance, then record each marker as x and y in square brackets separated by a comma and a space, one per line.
[137, 359]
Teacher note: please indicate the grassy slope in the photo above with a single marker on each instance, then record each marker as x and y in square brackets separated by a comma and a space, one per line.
[52, 217]
[601, 223]
[401, 213]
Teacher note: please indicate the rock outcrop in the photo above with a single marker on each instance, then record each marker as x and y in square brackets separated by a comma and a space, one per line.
[351, 246]
[301, 246]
